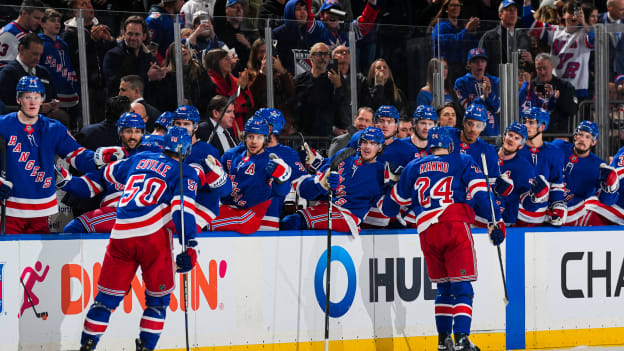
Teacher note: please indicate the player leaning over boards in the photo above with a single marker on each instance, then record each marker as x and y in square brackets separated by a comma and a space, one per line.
[140, 237]
[435, 187]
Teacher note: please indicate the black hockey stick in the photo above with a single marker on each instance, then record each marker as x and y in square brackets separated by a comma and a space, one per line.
[3, 175]
[184, 275]
[500, 257]
[227, 104]
[42, 315]
[332, 167]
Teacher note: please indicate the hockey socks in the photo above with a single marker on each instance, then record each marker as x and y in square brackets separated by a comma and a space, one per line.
[462, 308]
[444, 309]
[153, 320]
[96, 322]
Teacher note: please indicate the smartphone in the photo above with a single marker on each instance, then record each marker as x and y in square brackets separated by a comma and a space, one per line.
[540, 89]
[333, 64]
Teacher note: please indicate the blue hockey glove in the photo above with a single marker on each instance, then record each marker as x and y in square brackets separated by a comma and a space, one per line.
[558, 213]
[333, 180]
[185, 261]
[392, 174]
[6, 187]
[278, 169]
[609, 182]
[503, 185]
[497, 233]
[540, 188]
[62, 176]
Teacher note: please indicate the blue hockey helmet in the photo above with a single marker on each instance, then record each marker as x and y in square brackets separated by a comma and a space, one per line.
[187, 112]
[373, 134]
[539, 114]
[256, 125]
[274, 118]
[130, 120]
[476, 112]
[164, 120]
[589, 127]
[387, 111]
[520, 129]
[439, 137]
[355, 139]
[178, 140]
[425, 112]
[30, 84]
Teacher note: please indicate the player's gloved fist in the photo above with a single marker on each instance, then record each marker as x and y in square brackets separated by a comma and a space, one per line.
[392, 173]
[214, 174]
[312, 159]
[185, 261]
[62, 176]
[539, 189]
[278, 169]
[6, 187]
[497, 233]
[609, 182]
[108, 154]
[321, 180]
[503, 185]
[334, 180]
[558, 213]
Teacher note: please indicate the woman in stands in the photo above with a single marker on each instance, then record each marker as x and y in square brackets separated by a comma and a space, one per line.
[425, 96]
[383, 89]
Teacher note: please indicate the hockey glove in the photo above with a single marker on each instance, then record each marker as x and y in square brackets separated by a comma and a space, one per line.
[392, 174]
[6, 187]
[558, 213]
[214, 174]
[108, 154]
[310, 158]
[321, 180]
[185, 261]
[503, 185]
[539, 189]
[497, 233]
[334, 180]
[278, 169]
[62, 176]
[609, 182]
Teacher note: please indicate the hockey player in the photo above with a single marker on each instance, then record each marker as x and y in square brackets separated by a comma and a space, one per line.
[607, 208]
[425, 118]
[581, 170]
[436, 187]
[481, 88]
[32, 142]
[161, 124]
[257, 176]
[140, 237]
[356, 185]
[548, 182]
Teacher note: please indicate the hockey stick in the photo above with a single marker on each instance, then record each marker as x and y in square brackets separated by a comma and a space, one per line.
[3, 175]
[184, 275]
[490, 197]
[227, 104]
[42, 315]
[332, 167]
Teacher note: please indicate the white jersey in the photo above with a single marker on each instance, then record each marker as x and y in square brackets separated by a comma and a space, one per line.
[193, 6]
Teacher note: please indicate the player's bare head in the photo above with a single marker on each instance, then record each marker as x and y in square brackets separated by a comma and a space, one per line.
[447, 116]
[256, 135]
[371, 143]
[387, 119]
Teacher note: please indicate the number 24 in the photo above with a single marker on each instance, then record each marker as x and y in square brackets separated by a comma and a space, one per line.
[441, 190]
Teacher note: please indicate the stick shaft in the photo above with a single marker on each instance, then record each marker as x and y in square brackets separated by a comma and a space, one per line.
[184, 275]
[328, 276]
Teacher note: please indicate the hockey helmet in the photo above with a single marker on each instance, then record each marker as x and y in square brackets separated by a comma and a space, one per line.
[178, 140]
[373, 134]
[476, 112]
[187, 112]
[386, 111]
[164, 120]
[589, 127]
[520, 129]
[256, 125]
[439, 137]
[425, 112]
[274, 118]
[539, 114]
[130, 120]
[30, 84]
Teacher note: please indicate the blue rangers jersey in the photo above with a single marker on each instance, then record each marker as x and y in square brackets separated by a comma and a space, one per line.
[420, 152]
[431, 185]
[399, 152]
[160, 25]
[151, 196]
[611, 206]
[475, 150]
[521, 171]
[10, 36]
[469, 91]
[548, 161]
[31, 152]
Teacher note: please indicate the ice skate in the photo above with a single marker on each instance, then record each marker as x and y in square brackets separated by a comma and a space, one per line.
[445, 342]
[462, 343]
[89, 345]
[140, 345]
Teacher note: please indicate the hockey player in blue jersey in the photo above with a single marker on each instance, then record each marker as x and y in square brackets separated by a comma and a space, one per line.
[356, 185]
[257, 176]
[478, 87]
[33, 141]
[548, 162]
[152, 197]
[436, 188]
[425, 118]
[607, 207]
[161, 124]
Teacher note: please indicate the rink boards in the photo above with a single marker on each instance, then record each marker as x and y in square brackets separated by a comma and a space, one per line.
[266, 291]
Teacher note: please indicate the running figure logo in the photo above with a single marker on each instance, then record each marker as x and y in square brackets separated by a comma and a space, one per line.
[29, 277]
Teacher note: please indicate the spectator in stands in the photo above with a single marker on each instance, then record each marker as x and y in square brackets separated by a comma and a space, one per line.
[283, 84]
[105, 133]
[132, 86]
[590, 12]
[329, 30]
[614, 15]
[425, 95]
[271, 11]
[342, 59]
[405, 127]
[361, 121]
[447, 115]
[383, 89]
[499, 47]
[291, 40]
[27, 63]
[547, 14]
[29, 20]
[564, 108]
[224, 139]
[203, 37]
[192, 7]
[98, 41]
[478, 87]
[234, 34]
[218, 63]
[451, 39]
[55, 59]
[160, 22]
[319, 95]
[198, 88]
[130, 56]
